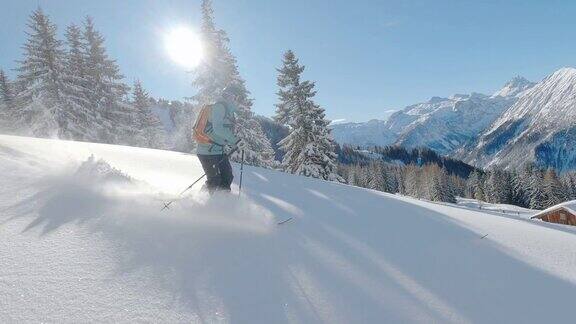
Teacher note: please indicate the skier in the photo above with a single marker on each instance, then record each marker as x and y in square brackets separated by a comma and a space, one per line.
[214, 133]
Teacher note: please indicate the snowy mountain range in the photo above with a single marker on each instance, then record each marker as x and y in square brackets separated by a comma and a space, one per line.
[521, 122]
[540, 126]
[442, 124]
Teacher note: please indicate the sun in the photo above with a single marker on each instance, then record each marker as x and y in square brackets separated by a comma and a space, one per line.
[184, 46]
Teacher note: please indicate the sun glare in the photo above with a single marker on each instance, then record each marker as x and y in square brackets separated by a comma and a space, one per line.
[184, 47]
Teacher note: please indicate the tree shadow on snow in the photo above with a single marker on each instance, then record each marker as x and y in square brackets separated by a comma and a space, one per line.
[226, 259]
[413, 258]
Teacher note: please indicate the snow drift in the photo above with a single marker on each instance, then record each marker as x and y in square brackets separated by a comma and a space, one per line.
[82, 239]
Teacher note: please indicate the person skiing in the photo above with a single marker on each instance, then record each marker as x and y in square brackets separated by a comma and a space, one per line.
[214, 133]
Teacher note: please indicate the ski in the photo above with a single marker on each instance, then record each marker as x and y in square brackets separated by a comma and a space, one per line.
[285, 221]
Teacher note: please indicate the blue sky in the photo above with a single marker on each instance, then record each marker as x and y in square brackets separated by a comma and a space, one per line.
[366, 57]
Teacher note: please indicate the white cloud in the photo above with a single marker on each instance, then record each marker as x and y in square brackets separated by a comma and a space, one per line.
[338, 121]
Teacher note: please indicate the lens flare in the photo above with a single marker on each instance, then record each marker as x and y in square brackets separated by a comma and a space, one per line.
[184, 47]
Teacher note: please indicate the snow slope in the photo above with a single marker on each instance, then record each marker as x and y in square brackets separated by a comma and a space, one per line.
[372, 132]
[83, 240]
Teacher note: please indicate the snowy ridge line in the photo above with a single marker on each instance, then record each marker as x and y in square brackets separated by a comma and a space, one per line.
[442, 124]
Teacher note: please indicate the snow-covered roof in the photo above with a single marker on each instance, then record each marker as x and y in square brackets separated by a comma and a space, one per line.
[569, 205]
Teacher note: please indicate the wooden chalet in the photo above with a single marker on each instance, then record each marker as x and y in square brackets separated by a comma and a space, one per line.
[564, 213]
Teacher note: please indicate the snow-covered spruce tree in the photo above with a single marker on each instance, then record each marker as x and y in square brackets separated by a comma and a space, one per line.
[6, 104]
[350, 175]
[521, 185]
[474, 186]
[569, 181]
[83, 116]
[536, 189]
[438, 185]
[375, 175]
[457, 185]
[399, 180]
[394, 178]
[518, 189]
[39, 82]
[554, 191]
[499, 187]
[309, 147]
[105, 89]
[288, 81]
[413, 181]
[447, 186]
[150, 132]
[218, 70]
[256, 146]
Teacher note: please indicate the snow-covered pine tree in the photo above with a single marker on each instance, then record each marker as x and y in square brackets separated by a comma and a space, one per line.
[474, 185]
[437, 185]
[480, 193]
[499, 187]
[412, 181]
[447, 187]
[362, 176]
[150, 132]
[105, 89]
[218, 70]
[309, 147]
[375, 174]
[350, 175]
[457, 185]
[569, 181]
[393, 178]
[39, 82]
[399, 180]
[6, 103]
[554, 191]
[518, 188]
[256, 146]
[388, 181]
[288, 81]
[430, 184]
[536, 189]
[83, 117]
[491, 187]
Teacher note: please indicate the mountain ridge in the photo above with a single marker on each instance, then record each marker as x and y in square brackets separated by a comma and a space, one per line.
[443, 124]
[538, 128]
[521, 122]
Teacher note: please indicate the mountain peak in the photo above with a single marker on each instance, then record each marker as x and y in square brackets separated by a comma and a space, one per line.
[514, 87]
[565, 72]
[436, 99]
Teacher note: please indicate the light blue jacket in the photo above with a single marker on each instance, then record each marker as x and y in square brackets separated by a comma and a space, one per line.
[220, 128]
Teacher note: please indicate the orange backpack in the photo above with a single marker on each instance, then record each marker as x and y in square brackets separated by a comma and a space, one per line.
[202, 124]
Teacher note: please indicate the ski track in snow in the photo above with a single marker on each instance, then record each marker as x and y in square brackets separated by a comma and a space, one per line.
[93, 248]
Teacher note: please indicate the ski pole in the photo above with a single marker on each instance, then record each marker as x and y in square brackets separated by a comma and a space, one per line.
[241, 174]
[167, 205]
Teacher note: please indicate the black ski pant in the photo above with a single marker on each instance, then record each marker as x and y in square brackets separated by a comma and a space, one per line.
[218, 171]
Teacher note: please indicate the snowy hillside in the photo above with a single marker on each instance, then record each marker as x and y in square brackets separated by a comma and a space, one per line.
[540, 127]
[442, 124]
[449, 124]
[372, 132]
[82, 239]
